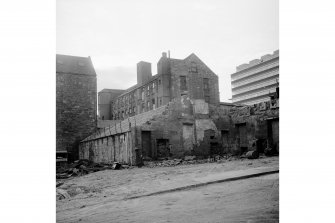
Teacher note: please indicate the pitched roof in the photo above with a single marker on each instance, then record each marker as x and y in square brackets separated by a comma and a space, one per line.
[74, 65]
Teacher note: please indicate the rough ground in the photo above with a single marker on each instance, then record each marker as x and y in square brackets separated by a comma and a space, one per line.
[249, 200]
[114, 185]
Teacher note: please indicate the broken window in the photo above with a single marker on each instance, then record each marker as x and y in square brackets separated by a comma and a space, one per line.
[183, 85]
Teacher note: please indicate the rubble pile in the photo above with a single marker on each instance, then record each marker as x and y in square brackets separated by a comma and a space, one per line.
[83, 167]
[189, 160]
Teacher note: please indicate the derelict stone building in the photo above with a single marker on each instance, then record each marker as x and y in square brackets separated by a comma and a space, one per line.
[177, 113]
[76, 103]
[175, 78]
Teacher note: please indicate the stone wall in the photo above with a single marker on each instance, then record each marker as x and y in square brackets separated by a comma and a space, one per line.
[256, 121]
[182, 126]
[195, 71]
[76, 109]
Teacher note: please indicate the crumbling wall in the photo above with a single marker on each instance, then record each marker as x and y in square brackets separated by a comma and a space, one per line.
[183, 125]
[255, 121]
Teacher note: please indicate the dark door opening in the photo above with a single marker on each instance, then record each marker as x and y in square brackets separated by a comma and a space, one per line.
[242, 137]
[273, 134]
[224, 141]
[163, 148]
[146, 144]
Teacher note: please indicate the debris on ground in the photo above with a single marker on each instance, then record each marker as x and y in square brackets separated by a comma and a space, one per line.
[61, 194]
[189, 158]
[59, 184]
[252, 154]
[270, 151]
[83, 167]
[116, 166]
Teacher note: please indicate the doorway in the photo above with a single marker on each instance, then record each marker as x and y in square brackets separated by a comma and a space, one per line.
[273, 133]
[146, 144]
[162, 148]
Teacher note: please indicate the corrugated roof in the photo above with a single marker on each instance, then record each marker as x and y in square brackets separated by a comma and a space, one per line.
[74, 65]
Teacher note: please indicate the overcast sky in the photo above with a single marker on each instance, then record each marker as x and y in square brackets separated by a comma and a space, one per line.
[119, 33]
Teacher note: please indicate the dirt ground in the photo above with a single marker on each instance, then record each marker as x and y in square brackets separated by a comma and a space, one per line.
[249, 200]
[115, 185]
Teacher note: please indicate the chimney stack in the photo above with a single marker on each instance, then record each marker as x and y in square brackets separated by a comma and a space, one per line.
[143, 72]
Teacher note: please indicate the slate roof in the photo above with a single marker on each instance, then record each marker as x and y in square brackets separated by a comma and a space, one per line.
[74, 65]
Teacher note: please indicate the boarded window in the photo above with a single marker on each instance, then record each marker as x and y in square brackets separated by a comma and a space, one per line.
[183, 85]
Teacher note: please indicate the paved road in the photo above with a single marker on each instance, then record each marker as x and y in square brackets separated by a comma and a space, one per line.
[250, 200]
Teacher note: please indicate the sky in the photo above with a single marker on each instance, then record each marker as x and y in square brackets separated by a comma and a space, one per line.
[117, 34]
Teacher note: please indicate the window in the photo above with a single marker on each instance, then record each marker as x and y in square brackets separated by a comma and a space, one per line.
[148, 105]
[148, 90]
[143, 90]
[207, 99]
[159, 81]
[153, 104]
[160, 101]
[194, 68]
[183, 85]
[206, 84]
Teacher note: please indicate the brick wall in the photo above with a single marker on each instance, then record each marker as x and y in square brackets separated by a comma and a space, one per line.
[76, 109]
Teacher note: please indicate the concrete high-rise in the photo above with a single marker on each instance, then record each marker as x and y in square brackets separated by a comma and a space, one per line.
[256, 81]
